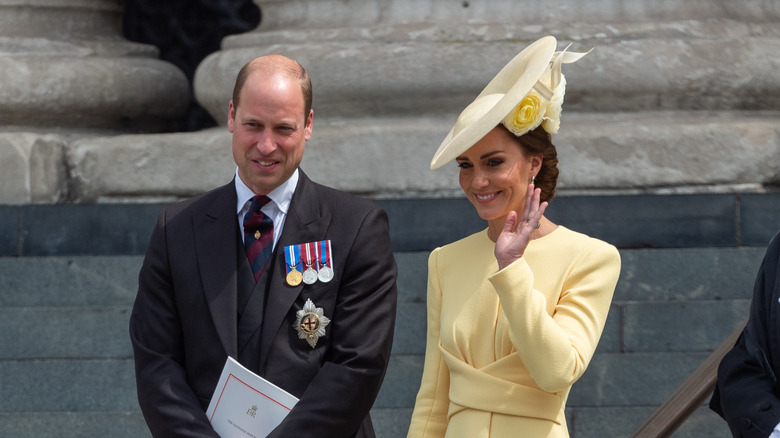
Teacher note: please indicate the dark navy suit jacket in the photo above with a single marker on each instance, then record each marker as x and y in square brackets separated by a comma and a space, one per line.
[185, 319]
[747, 391]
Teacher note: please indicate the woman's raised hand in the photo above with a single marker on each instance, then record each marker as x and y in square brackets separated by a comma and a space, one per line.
[514, 238]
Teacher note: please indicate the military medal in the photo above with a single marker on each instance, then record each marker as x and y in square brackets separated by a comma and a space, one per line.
[294, 276]
[325, 262]
[309, 273]
[310, 323]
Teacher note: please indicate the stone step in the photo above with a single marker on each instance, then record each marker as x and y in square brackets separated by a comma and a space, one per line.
[583, 422]
[626, 153]
[424, 67]
[63, 340]
[655, 285]
[627, 221]
[73, 424]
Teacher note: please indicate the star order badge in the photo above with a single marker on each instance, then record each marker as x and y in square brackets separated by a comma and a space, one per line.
[310, 323]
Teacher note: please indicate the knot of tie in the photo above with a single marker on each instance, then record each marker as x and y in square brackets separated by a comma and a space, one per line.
[258, 202]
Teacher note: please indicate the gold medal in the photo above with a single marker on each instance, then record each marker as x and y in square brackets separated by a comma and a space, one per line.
[294, 277]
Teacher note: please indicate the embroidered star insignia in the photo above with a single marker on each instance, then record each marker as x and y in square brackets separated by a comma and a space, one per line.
[310, 323]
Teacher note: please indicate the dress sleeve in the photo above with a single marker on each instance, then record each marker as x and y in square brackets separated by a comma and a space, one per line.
[557, 348]
[429, 418]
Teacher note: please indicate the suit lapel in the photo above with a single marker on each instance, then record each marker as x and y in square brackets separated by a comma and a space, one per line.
[216, 245]
[305, 223]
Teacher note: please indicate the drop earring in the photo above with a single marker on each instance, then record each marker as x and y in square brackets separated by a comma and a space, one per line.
[533, 179]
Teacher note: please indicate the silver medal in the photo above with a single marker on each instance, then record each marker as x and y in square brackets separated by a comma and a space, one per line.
[326, 274]
[310, 275]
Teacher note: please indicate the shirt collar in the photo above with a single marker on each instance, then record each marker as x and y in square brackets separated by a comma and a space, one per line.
[281, 196]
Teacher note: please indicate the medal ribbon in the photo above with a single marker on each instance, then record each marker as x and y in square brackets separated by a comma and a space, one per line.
[324, 246]
[291, 257]
[307, 261]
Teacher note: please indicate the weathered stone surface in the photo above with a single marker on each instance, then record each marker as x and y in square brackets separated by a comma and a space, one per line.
[133, 167]
[626, 379]
[32, 168]
[622, 422]
[65, 66]
[389, 157]
[68, 282]
[74, 424]
[89, 92]
[699, 325]
[88, 384]
[668, 149]
[60, 19]
[69, 333]
[332, 13]
[688, 275]
[423, 69]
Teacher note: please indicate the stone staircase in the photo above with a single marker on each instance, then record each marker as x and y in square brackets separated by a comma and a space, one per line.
[68, 280]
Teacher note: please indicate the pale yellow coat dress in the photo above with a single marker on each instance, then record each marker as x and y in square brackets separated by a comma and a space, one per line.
[504, 347]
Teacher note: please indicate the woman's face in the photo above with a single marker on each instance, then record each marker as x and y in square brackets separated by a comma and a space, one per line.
[494, 174]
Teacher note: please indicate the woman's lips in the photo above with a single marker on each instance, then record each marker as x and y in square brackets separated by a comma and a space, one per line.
[485, 197]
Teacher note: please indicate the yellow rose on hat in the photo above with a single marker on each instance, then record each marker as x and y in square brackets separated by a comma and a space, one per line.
[527, 115]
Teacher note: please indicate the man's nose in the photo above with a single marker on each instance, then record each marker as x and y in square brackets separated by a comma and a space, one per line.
[265, 143]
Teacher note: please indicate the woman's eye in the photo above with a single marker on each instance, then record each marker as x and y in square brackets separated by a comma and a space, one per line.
[464, 165]
[494, 163]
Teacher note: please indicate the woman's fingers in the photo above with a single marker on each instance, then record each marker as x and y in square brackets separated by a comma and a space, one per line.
[509, 224]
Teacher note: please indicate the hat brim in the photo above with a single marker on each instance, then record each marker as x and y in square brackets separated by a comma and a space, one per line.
[514, 82]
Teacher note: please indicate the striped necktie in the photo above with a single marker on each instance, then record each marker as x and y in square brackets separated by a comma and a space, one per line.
[258, 235]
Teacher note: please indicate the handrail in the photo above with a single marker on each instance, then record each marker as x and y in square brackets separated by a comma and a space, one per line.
[689, 395]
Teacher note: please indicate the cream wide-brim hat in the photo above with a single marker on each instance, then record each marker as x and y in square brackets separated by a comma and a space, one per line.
[502, 95]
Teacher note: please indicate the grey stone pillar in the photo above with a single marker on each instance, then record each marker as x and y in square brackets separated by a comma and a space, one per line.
[65, 73]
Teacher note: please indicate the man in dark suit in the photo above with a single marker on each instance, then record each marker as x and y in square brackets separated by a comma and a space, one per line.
[202, 298]
[747, 394]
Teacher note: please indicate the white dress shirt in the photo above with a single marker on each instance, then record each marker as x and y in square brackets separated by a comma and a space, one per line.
[276, 209]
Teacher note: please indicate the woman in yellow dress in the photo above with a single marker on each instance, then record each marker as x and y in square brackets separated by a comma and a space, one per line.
[515, 311]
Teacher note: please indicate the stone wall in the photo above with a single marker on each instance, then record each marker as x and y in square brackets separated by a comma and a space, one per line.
[678, 96]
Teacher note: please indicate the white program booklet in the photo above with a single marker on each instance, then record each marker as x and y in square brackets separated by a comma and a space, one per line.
[245, 405]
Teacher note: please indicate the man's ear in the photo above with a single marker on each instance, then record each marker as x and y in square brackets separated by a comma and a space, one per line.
[309, 125]
[231, 115]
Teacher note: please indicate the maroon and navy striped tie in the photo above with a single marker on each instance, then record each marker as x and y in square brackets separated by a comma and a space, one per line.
[258, 235]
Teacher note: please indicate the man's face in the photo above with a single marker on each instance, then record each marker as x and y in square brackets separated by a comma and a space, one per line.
[269, 131]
